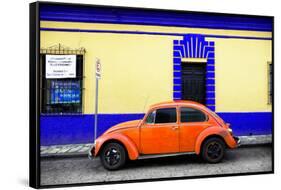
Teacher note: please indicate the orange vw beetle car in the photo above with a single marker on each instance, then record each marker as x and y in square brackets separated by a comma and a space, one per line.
[168, 128]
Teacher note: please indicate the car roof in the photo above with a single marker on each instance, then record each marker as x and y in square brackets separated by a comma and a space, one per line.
[176, 103]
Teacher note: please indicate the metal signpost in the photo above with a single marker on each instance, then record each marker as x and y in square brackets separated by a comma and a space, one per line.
[98, 76]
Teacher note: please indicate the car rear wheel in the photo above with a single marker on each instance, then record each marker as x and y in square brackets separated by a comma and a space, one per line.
[213, 150]
[113, 156]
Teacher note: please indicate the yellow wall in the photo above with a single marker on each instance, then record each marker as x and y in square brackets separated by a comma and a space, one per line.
[130, 27]
[242, 75]
[133, 70]
[137, 70]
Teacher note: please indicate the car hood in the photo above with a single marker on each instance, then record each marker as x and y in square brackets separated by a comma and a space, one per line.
[124, 125]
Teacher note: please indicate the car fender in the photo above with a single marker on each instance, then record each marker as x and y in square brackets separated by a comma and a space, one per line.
[218, 131]
[130, 146]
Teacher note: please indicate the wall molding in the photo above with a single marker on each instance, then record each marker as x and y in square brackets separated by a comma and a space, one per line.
[148, 33]
[156, 17]
[192, 47]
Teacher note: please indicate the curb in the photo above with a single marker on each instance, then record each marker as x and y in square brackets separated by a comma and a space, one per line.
[255, 140]
[69, 150]
[78, 150]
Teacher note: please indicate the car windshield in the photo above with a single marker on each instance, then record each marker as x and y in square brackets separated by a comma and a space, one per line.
[151, 117]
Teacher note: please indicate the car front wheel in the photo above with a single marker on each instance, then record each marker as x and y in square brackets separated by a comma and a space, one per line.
[113, 156]
[213, 150]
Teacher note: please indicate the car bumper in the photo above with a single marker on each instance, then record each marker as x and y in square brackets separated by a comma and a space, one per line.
[237, 140]
[91, 153]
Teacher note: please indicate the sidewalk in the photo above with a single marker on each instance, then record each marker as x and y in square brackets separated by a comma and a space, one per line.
[82, 149]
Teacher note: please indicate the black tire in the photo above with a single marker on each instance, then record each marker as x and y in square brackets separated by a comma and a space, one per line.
[213, 150]
[113, 156]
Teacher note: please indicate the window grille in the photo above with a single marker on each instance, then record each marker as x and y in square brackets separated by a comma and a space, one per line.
[270, 83]
[62, 95]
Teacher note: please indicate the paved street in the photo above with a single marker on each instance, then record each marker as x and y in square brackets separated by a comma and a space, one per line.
[81, 169]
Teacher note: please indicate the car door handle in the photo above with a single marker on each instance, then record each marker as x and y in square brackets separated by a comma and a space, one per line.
[175, 127]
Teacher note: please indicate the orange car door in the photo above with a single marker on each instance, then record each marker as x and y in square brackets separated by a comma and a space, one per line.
[192, 123]
[160, 133]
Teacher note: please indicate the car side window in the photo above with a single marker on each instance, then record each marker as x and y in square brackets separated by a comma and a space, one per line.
[151, 117]
[192, 115]
[166, 115]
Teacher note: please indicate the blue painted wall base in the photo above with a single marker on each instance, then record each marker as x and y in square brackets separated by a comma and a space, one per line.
[252, 123]
[76, 129]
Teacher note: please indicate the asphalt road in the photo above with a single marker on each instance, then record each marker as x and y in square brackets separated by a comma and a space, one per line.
[56, 171]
